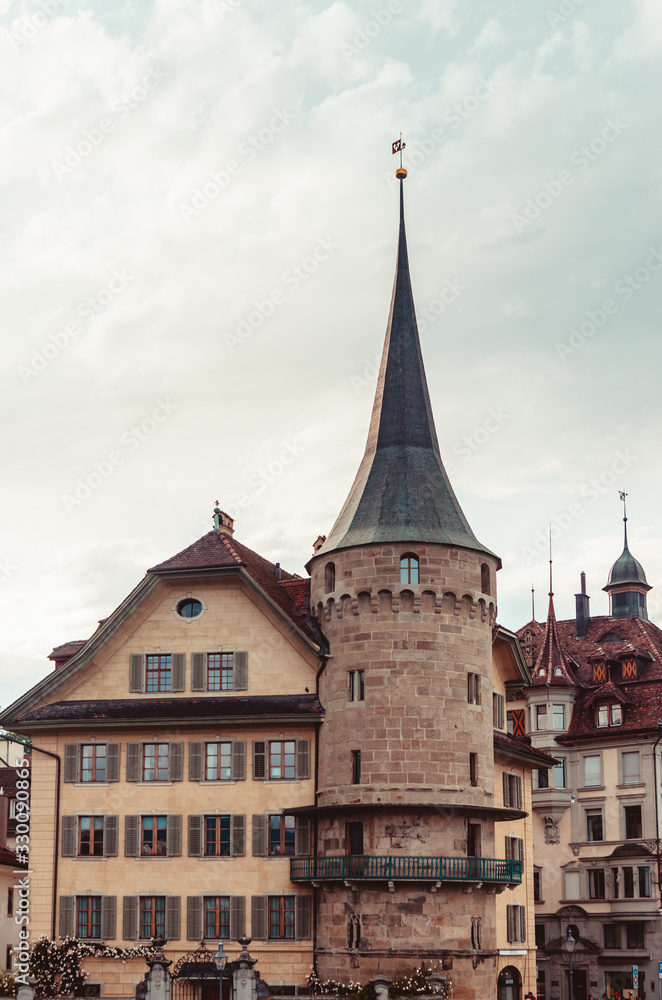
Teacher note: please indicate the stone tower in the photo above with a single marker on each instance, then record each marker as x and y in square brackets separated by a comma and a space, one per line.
[405, 867]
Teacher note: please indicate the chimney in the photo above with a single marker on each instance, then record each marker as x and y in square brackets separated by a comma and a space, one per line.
[582, 611]
[277, 572]
[318, 543]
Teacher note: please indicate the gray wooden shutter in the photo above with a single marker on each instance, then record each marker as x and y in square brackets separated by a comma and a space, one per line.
[197, 672]
[520, 849]
[176, 761]
[522, 923]
[133, 762]
[66, 916]
[69, 838]
[194, 917]
[110, 829]
[237, 917]
[112, 762]
[240, 671]
[303, 917]
[178, 672]
[174, 836]
[136, 682]
[239, 760]
[131, 838]
[260, 836]
[506, 793]
[195, 837]
[108, 912]
[302, 836]
[507, 851]
[238, 836]
[518, 793]
[303, 758]
[195, 762]
[70, 763]
[259, 918]
[259, 759]
[172, 929]
[130, 919]
[510, 924]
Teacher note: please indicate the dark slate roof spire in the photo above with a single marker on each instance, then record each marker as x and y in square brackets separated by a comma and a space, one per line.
[401, 492]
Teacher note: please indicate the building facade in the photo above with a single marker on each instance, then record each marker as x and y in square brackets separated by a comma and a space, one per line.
[596, 705]
[323, 763]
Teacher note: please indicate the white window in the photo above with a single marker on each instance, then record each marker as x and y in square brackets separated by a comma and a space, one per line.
[559, 774]
[592, 771]
[631, 775]
[558, 716]
[572, 885]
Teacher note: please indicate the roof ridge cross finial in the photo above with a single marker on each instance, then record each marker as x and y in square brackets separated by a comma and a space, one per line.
[623, 495]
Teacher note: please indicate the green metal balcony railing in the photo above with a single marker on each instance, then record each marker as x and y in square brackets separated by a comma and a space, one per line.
[412, 868]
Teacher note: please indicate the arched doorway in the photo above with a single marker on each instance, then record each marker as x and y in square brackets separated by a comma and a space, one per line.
[509, 984]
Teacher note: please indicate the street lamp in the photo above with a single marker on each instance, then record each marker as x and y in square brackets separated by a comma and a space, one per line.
[570, 944]
[220, 961]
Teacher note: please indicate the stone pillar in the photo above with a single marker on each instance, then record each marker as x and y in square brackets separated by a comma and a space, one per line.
[158, 977]
[26, 990]
[244, 977]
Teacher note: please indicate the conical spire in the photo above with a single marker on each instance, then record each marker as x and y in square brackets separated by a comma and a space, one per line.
[627, 585]
[401, 492]
[551, 663]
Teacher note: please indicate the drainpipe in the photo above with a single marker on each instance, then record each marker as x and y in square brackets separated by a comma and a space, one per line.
[657, 809]
[314, 823]
[56, 757]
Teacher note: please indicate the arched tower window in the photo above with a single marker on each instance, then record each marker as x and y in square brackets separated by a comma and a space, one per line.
[409, 568]
[485, 579]
[329, 578]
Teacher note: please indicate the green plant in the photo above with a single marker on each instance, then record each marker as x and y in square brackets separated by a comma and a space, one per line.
[58, 970]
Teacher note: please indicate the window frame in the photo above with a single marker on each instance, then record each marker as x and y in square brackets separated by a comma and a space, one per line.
[611, 713]
[473, 689]
[96, 839]
[222, 835]
[597, 883]
[156, 930]
[593, 814]
[621, 760]
[558, 710]
[286, 906]
[356, 767]
[498, 710]
[409, 568]
[163, 673]
[217, 900]
[627, 819]
[159, 825]
[220, 757]
[599, 782]
[90, 922]
[356, 685]
[95, 748]
[157, 766]
[286, 836]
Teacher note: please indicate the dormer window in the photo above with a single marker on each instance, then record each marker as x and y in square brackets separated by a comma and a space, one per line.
[600, 673]
[409, 568]
[629, 669]
[609, 715]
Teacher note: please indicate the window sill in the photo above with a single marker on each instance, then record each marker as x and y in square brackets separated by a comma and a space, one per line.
[633, 784]
[150, 784]
[91, 857]
[217, 857]
[154, 857]
[212, 781]
[90, 784]
[591, 788]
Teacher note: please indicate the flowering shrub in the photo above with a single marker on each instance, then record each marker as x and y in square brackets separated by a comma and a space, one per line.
[58, 969]
[7, 985]
[414, 983]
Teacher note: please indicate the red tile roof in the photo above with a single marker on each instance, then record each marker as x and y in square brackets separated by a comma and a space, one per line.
[11, 858]
[67, 649]
[551, 665]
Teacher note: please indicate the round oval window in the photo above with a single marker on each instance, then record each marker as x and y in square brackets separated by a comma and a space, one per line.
[190, 608]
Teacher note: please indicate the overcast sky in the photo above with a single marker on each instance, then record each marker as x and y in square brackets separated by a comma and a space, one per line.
[197, 246]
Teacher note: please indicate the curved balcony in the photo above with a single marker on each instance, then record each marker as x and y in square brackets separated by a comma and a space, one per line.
[408, 868]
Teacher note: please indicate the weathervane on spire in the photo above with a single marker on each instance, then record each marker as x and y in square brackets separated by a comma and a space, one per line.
[622, 496]
[397, 147]
[551, 588]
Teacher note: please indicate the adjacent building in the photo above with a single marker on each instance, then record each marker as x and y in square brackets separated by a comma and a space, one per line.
[596, 705]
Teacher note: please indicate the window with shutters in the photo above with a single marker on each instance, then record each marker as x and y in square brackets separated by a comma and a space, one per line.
[222, 761]
[219, 670]
[152, 916]
[158, 672]
[88, 917]
[154, 836]
[156, 761]
[473, 689]
[90, 836]
[282, 835]
[218, 836]
[512, 791]
[356, 685]
[281, 917]
[93, 762]
[217, 917]
[154, 673]
[281, 760]
[516, 923]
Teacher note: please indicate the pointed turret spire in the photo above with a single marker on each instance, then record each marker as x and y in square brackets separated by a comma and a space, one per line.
[627, 585]
[402, 492]
[552, 665]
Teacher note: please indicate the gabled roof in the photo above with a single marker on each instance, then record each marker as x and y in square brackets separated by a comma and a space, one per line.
[608, 692]
[213, 554]
[401, 492]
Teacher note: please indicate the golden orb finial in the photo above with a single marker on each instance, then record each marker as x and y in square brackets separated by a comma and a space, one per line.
[401, 173]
